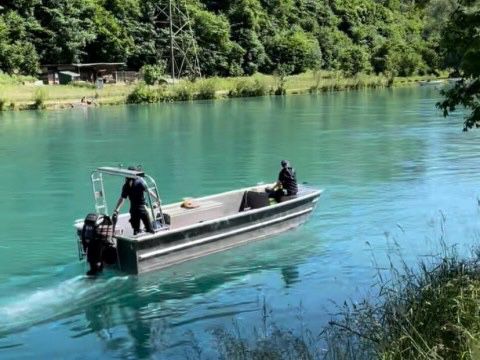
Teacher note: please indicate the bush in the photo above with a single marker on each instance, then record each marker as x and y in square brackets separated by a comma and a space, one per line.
[3, 103]
[247, 88]
[425, 313]
[153, 74]
[206, 89]
[183, 92]
[143, 94]
[39, 98]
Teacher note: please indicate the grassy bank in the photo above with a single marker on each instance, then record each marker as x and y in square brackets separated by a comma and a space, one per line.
[20, 94]
[427, 312]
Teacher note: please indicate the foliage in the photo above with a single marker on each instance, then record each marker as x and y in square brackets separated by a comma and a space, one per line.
[143, 94]
[233, 37]
[295, 48]
[39, 98]
[462, 45]
[247, 88]
[206, 89]
[153, 74]
[425, 313]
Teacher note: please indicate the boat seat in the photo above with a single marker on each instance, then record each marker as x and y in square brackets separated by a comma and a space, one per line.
[254, 200]
[209, 204]
[206, 210]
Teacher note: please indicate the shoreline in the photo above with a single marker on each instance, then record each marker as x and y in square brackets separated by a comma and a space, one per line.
[20, 97]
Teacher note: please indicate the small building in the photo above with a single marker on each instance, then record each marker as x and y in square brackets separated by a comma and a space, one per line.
[66, 77]
[90, 72]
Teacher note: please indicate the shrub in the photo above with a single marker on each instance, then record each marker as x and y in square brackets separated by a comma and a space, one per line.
[153, 74]
[247, 88]
[142, 94]
[206, 89]
[3, 103]
[39, 98]
[426, 313]
[183, 92]
[280, 76]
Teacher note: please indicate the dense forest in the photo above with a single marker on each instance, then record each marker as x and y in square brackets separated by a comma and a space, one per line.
[234, 37]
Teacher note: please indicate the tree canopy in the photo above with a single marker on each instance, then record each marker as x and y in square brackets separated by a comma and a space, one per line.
[234, 37]
[461, 41]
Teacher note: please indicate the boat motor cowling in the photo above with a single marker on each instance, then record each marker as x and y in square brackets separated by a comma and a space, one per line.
[96, 236]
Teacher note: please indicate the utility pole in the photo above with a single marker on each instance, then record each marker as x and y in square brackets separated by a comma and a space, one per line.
[174, 16]
[172, 53]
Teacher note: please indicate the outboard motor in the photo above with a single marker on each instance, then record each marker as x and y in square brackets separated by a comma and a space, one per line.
[97, 235]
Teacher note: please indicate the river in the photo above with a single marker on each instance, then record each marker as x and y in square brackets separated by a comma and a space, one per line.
[398, 179]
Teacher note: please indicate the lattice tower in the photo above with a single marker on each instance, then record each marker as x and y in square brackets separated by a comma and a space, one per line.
[183, 55]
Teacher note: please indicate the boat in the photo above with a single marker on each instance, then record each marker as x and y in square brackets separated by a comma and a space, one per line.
[187, 229]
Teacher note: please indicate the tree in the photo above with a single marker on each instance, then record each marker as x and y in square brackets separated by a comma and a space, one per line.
[17, 53]
[461, 41]
[66, 28]
[153, 74]
[295, 48]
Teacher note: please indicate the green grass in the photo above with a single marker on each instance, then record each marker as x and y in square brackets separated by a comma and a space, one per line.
[21, 92]
[427, 312]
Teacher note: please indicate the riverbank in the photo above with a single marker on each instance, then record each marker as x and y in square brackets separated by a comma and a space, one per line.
[428, 312]
[19, 94]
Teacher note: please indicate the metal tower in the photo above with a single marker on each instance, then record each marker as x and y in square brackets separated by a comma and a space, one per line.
[183, 56]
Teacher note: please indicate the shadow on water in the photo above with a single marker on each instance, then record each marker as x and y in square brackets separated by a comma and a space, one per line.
[138, 307]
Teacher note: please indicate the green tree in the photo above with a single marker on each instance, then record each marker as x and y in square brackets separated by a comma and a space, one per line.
[218, 55]
[17, 53]
[112, 42]
[246, 15]
[153, 73]
[461, 42]
[67, 26]
[296, 48]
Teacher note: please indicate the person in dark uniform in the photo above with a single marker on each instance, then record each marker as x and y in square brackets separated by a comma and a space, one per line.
[134, 189]
[286, 183]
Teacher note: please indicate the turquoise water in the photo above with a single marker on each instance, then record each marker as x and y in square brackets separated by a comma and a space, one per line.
[395, 173]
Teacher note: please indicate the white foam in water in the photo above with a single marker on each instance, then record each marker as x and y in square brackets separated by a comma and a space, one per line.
[45, 304]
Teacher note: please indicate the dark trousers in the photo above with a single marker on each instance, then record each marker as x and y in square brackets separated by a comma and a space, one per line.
[140, 214]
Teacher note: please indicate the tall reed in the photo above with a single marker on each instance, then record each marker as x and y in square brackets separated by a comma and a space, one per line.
[39, 98]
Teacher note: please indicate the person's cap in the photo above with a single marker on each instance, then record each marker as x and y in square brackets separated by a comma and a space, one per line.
[131, 168]
[284, 163]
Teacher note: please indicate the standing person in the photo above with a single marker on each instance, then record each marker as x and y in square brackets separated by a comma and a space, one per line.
[286, 183]
[134, 189]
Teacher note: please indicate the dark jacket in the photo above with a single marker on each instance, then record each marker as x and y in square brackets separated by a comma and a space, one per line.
[288, 178]
[135, 194]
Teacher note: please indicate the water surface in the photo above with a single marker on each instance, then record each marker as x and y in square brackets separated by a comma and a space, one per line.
[395, 173]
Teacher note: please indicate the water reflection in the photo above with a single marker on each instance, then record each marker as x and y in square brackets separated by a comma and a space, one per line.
[151, 308]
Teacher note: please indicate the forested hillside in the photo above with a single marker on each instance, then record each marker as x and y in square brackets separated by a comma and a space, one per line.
[235, 37]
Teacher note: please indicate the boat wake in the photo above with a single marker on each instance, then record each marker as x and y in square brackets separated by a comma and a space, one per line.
[68, 297]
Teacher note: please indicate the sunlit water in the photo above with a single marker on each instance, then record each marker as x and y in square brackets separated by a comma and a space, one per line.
[395, 174]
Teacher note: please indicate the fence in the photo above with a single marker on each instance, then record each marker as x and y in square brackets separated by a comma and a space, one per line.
[127, 76]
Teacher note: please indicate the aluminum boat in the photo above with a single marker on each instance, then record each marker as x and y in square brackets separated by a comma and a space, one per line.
[210, 224]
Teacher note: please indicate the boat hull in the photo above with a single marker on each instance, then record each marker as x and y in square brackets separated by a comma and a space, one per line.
[167, 248]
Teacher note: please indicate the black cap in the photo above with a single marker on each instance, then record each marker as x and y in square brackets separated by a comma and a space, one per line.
[284, 163]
